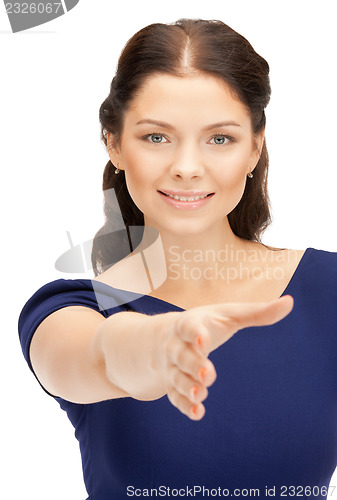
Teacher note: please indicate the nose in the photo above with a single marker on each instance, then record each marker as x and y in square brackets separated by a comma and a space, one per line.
[187, 162]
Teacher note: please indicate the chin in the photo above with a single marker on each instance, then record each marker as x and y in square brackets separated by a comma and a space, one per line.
[186, 229]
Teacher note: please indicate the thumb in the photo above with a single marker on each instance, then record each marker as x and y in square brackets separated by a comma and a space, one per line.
[227, 319]
[261, 313]
[274, 311]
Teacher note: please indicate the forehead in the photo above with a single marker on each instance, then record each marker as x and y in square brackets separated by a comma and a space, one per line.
[197, 97]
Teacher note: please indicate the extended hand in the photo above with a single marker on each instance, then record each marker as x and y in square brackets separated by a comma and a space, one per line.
[197, 332]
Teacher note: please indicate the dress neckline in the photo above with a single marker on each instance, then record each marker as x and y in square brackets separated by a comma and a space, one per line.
[174, 306]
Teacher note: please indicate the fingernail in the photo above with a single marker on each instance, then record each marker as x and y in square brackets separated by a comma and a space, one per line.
[199, 341]
[194, 391]
[194, 411]
[202, 373]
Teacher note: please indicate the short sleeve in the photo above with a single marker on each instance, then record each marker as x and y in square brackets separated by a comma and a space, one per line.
[48, 299]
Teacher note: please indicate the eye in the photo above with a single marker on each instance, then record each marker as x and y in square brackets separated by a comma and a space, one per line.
[221, 140]
[155, 138]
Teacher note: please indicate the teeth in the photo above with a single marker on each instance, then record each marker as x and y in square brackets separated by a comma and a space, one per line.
[187, 198]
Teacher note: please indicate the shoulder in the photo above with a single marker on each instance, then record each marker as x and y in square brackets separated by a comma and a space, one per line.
[309, 256]
[65, 292]
[61, 293]
[49, 298]
[324, 258]
[57, 292]
[323, 264]
[316, 269]
[317, 273]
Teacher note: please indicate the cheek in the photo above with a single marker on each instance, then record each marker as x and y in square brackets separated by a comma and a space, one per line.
[137, 176]
[233, 186]
[232, 177]
[233, 168]
[138, 163]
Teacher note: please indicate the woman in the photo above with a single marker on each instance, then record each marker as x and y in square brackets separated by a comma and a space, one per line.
[132, 356]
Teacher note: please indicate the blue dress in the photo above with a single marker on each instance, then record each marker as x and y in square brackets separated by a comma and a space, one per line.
[271, 415]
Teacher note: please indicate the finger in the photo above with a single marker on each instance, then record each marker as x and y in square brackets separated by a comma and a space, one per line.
[187, 386]
[193, 363]
[242, 315]
[194, 411]
[191, 328]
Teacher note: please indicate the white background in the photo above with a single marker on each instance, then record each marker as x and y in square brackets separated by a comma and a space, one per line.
[53, 80]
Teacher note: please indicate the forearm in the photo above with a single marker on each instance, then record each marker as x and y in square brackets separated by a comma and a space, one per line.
[129, 346]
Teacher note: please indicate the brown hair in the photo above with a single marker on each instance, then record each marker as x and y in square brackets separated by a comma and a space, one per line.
[213, 48]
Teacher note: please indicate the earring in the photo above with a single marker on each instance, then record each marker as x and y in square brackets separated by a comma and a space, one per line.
[250, 175]
[117, 169]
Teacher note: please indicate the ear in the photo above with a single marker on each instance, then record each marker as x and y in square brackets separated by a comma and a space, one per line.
[258, 142]
[113, 151]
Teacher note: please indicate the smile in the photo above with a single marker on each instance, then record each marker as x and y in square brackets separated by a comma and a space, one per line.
[186, 202]
[186, 198]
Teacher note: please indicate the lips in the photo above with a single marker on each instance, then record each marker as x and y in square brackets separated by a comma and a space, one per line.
[186, 195]
[186, 202]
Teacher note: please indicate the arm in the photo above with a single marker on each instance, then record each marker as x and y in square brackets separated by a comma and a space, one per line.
[84, 358]
[79, 355]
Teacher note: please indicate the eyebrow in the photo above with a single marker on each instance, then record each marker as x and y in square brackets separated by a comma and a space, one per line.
[169, 127]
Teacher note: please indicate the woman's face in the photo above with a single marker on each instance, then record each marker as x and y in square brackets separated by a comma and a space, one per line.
[186, 135]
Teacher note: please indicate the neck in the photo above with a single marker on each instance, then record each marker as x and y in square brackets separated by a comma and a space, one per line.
[193, 261]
